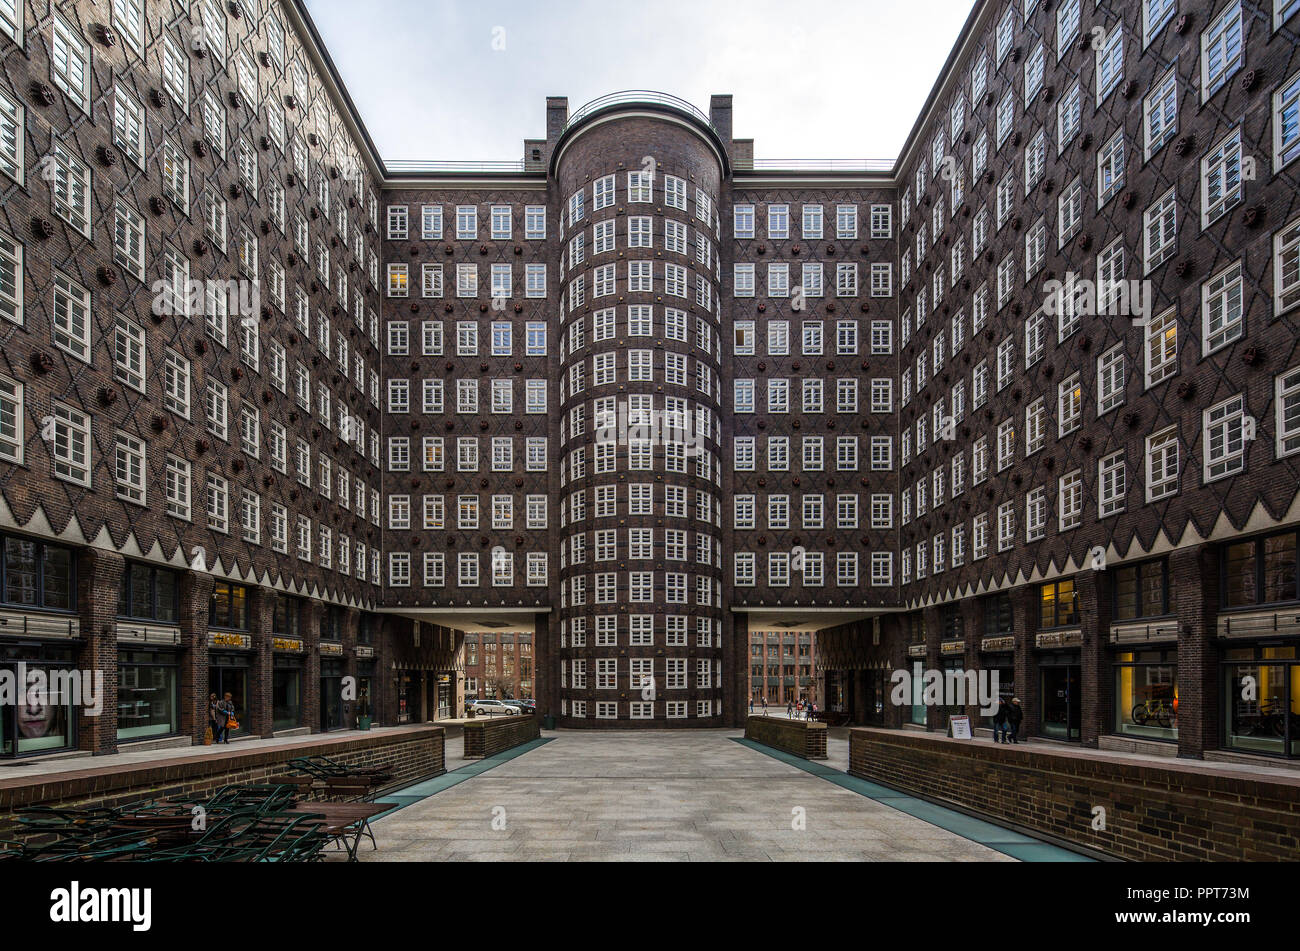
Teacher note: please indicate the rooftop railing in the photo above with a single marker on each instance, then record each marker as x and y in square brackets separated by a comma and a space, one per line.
[416, 166]
[817, 165]
[638, 97]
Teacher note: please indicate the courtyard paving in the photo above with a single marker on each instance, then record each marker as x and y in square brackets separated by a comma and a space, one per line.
[657, 796]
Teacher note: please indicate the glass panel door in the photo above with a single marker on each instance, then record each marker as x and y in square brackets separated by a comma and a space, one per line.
[1061, 717]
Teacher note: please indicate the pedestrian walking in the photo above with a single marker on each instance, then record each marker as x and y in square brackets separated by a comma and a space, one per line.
[1014, 716]
[1000, 725]
[751, 706]
[226, 715]
[764, 704]
[216, 721]
[789, 709]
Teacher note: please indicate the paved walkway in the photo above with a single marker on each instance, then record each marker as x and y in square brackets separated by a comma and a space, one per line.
[77, 761]
[656, 796]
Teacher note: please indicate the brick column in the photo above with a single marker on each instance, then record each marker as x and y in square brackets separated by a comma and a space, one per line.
[936, 715]
[1194, 590]
[312, 613]
[196, 596]
[735, 688]
[350, 622]
[861, 704]
[99, 584]
[385, 687]
[970, 633]
[1095, 679]
[261, 615]
[1024, 621]
[893, 645]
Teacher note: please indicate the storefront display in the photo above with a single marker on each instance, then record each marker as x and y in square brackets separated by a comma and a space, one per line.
[43, 720]
[1146, 694]
[148, 694]
[1262, 700]
[331, 695]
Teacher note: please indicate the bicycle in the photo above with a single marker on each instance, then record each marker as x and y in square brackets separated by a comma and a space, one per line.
[1273, 717]
[1159, 709]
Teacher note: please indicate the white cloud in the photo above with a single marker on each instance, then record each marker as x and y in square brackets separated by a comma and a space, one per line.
[845, 81]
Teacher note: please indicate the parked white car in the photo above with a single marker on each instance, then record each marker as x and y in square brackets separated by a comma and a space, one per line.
[494, 707]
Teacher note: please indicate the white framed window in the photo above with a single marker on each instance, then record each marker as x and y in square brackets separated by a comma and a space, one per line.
[12, 137]
[11, 20]
[1286, 120]
[1288, 413]
[128, 238]
[1110, 61]
[1161, 347]
[70, 63]
[1110, 168]
[1110, 379]
[1069, 497]
[11, 279]
[129, 354]
[70, 189]
[1224, 433]
[177, 487]
[70, 447]
[1160, 231]
[1286, 268]
[1162, 463]
[11, 420]
[176, 175]
[1222, 50]
[1155, 14]
[1222, 309]
[71, 317]
[1161, 113]
[1222, 188]
[1069, 115]
[1111, 485]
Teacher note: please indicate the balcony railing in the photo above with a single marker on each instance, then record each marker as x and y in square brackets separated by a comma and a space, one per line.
[816, 165]
[634, 97]
[416, 167]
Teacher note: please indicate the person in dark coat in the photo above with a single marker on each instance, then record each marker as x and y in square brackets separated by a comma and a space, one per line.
[1014, 716]
[1000, 725]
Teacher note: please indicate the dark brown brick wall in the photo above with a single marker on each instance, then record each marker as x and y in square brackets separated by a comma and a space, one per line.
[487, 737]
[1177, 813]
[799, 737]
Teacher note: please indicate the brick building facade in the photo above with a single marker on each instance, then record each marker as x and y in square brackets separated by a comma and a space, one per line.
[638, 395]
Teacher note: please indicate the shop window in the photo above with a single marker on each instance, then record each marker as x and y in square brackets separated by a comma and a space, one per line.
[228, 607]
[1141, 591]
[1260, 571]
[149, 594]
[1146, 694]
[287, 619]
[1058, 604]
[952, 623]
[38, 575]
[148, 694]
[1262, 700]
[997, 615]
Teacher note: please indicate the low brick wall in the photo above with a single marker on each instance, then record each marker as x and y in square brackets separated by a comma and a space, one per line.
[1155, 810]
[412, 753]
[491, 735]
[799, 737]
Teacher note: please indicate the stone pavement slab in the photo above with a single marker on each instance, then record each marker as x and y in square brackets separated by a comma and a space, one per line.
[657, 796]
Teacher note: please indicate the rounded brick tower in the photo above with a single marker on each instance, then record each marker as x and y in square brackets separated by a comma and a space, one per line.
[637, 183]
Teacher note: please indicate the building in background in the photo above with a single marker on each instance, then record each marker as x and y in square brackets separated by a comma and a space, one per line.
[499, 666]
[781, 668]
[278, 418]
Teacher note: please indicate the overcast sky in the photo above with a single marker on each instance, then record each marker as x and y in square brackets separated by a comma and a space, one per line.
[827, 79]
